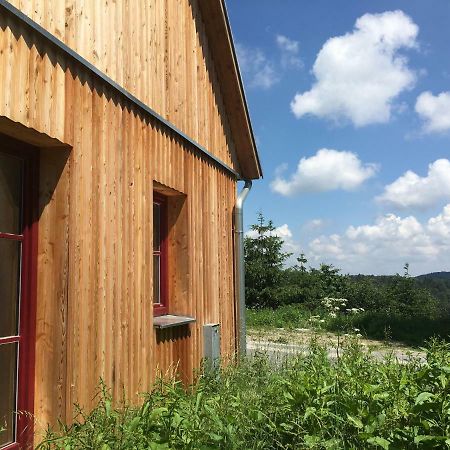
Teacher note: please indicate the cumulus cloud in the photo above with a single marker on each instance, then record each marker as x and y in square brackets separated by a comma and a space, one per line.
[413, 191]
[434, 111]
[384, 246]
[360, 74]
[257, 69]
[284, 232]
[440, 225]
[381, 247]
[289, 52]
[327, 170]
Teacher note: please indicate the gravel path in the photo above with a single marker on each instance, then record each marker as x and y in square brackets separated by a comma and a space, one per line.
[279, 351]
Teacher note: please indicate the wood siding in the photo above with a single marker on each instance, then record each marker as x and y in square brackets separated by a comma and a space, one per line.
[98, 171]
[157, 50]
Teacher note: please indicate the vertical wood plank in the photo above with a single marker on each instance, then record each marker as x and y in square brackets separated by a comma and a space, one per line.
[95, 267]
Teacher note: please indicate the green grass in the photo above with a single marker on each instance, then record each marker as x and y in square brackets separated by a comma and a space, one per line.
[287, 316]
[310, 402]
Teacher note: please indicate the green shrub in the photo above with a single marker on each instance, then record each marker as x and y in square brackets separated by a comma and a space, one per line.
[411, 330]
[309, 402]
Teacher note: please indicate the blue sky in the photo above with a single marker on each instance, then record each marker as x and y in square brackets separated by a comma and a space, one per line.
[350, 105]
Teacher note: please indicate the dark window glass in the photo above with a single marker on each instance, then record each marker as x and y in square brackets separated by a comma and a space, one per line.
[156, 226]
[160, 255]
[8, 355]
[9, 286]
[10, 194]
[156, 279]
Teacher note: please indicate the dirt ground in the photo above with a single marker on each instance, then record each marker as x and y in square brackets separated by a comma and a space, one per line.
[282, 342]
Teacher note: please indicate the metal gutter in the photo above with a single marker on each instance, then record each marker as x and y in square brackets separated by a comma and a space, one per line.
[202, 151]
[240, 266]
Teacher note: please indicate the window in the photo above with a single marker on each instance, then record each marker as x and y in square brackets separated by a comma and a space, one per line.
[17, 292]
[160, 260]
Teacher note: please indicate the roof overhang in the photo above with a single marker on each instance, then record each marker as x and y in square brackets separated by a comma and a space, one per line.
[220, 40]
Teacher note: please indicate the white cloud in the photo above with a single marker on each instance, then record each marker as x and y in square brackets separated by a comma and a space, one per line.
[259, 71]
[381, 247]
[289, 52]
[435, 111]
[384, 246]
[440, 225]
[389, 227]
[411, 190]
[284, 232]
[327, 170]
[360, 74]
[314, 224]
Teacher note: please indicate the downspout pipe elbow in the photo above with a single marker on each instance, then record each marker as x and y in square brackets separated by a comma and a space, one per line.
[243, 195]
[240, 266]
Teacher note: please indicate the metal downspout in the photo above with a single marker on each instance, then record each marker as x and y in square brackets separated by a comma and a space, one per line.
[240, 267]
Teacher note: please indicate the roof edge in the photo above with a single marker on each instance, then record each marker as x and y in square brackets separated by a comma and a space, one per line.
[220, 37]
[241, 85]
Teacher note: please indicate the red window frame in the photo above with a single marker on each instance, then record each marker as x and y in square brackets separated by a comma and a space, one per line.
[26, 339]
[162, 308]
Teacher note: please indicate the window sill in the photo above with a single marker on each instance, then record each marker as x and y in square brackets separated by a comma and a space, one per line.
[170, 320]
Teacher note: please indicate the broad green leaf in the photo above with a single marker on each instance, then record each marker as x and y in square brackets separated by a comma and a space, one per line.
[108, 408]
[355, 421]
[381, 396]
[134, 423]
[309, 412]
[157, 412]
[311, 441]
[423, 397]
[377, 440]
[215, 437]
[286, 426]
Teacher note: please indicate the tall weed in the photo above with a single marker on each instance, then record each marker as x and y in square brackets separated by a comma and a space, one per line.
[309, 402]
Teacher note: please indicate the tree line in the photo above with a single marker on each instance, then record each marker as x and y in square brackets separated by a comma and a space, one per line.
[413, 306]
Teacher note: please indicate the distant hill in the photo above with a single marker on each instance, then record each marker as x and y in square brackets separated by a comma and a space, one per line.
[437, 283]
[440, 275]
[386, 278]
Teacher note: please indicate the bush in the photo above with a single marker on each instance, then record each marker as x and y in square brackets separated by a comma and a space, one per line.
[309, 402]
[411, 330]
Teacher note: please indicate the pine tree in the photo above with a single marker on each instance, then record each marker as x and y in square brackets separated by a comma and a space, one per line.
[302, 261]
[264, 261]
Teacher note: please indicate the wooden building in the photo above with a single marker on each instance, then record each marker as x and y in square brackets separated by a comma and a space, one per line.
[123, 133]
